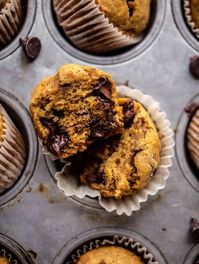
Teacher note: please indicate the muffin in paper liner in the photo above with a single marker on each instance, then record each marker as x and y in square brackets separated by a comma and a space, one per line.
[88, 28]
[8, 256]
[69, 184]
[10, 20]
[12, 152]
[121, 241]
[193, 138]
[187, 12]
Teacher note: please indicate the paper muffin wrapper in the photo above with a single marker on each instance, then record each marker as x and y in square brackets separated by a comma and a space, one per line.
[8, 255]
[10, 20]
[12, 153]
[128, 243]
[88, 28]
[193, 138]
[190, 22]
[69, 184]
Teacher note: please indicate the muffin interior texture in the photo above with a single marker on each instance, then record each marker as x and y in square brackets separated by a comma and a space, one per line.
[75, 107]
[194, 7]
[130, 16]
[109, 255]
[124, 164]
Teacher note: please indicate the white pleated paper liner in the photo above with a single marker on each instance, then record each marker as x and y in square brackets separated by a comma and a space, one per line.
[127, 243]
[191, 23]
[10, 20]
[69, 184]
[12, 153]
[88, 28]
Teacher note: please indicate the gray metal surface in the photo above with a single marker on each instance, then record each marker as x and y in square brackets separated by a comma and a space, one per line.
[40, 218]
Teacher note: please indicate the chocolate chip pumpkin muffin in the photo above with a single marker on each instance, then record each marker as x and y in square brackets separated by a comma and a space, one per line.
[125, 163]
[109, 255]
[131, 16]
[73, 108]
[194, 9]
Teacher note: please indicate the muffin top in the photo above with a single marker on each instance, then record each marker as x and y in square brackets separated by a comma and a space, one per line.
[75, 107]
[124, 164]
[109, 255]
[131, 16]
[3, 260]
[194, 7]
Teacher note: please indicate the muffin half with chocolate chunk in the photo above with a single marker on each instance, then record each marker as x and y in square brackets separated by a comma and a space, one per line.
[125, 163]
[73, 108]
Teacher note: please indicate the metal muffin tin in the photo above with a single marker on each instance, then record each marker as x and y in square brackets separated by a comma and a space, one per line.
[40, 218]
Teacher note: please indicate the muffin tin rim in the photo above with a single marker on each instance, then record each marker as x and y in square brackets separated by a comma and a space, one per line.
[192, 254]
[104, 231]
[31, 161]
[14, 247]
[182, 26]
[180, 147]
[74, 52]
[24, 30]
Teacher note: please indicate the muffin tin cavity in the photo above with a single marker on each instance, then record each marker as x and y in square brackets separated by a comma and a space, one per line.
[55, 166]
[12, 251]
[158, 9]
[193, 255]
[144, 247]
[181, 23]
[22, 120]
[29, 11]
[187, 166]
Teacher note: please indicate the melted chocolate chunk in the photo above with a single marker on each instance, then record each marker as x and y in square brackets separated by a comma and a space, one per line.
[195, 228]
[103, 89]
[134, 153]
[128, 112]
[191, 108]
[57, 142]
[98, 177]
[194, 66]
[96, 128]
[31, 47]
[56, 139]
[58, 113]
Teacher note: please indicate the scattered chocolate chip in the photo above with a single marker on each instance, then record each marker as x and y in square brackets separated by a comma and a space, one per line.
[64, 87]
[194, 66]
[96, 129]
[103, 88]
[191, 108]
[194, 228]
[31, 47]
[48, 123]
[98, 177]
[58, 113]
[128, 112]
[134, 153]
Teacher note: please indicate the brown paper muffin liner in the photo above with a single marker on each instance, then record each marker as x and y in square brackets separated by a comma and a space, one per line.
[124, 242]
[10, 20]
[88, 28]
[190, 22]
[193, 138]
[12, 153]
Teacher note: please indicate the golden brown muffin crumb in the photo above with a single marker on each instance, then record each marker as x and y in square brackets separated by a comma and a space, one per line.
[130, 16]
[75, 107]
[125, 164]
[109, 255]
[3, 260]
[194, 6]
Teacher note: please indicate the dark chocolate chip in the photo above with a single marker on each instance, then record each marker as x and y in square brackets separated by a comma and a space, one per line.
[98, 177]
[134, 153]
[58, 113]
[64, 87]
[128, 112]
[31, 47]
[194, 66]
[195, 228]
[96, 129]
[191, 108]
[103, 88]
[57, 142]
[48, 123]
